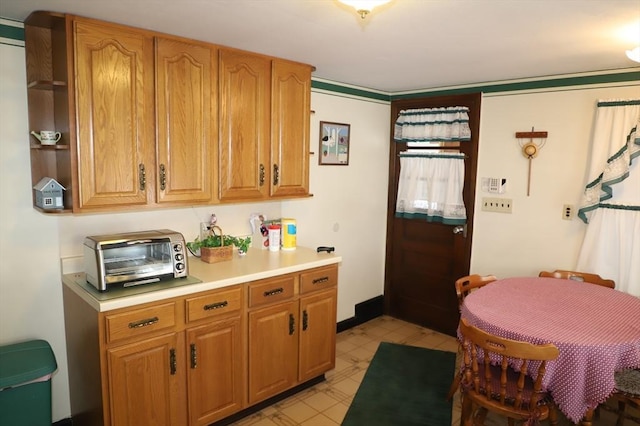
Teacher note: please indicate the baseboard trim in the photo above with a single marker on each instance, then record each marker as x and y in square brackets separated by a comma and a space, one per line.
[365, 311]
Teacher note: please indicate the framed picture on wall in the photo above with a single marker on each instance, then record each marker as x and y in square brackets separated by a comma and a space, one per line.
[334, 144]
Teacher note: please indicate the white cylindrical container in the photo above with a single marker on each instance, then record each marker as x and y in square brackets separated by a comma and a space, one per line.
[274, 237]
[289, 232]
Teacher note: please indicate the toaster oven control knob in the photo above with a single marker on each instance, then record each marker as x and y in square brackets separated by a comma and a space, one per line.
[179, 256]
[180, 266]
[177, 247]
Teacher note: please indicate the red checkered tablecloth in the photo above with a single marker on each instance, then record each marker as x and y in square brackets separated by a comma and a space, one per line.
[596, 329]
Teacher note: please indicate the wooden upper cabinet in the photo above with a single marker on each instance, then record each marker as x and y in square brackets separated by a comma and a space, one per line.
[244, 103]
[186, 119]
[114, 107]
[290, 112]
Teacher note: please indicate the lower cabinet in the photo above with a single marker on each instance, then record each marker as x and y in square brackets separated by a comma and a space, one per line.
[293, 341]
[146, 382]
[215, 367]
[197, 359]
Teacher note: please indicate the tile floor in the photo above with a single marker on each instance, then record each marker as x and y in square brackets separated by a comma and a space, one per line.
[326, 403]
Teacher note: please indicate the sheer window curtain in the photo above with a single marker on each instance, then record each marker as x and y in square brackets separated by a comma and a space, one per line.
[611, 201]
[431, 181]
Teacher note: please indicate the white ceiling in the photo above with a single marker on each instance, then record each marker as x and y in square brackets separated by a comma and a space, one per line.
[405, 45]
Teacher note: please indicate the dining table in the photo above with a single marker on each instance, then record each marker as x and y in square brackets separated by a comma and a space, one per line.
[596, 330]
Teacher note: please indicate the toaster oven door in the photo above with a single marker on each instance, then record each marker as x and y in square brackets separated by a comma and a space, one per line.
[151, 260]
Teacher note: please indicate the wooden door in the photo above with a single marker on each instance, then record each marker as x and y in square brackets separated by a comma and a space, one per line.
[244, 104]
[290, 116]
[317, 334]
[215, 365]
[424, 259]
[186, 119]
[147, 382]
[273, 350]
[114, 106]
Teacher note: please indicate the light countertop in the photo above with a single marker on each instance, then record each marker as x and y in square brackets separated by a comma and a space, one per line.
[255, 265]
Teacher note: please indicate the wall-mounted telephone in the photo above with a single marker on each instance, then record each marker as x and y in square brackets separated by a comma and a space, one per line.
[494, 185]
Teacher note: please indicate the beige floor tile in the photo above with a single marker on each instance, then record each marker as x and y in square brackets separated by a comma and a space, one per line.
[299, 412]
[320, 401]
[319, 420]
[347, 386]
[337, 412]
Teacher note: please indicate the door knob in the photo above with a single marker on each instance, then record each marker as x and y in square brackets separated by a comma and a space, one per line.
[461, 229]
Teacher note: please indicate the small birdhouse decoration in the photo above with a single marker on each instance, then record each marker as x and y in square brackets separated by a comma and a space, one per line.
[49, 194]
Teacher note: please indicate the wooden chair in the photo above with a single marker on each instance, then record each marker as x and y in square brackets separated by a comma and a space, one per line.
[489, 383]
[627, 393]
[466, 284]
[579, 276]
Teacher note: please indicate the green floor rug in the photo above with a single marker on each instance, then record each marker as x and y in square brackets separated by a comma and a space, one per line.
[404, 386]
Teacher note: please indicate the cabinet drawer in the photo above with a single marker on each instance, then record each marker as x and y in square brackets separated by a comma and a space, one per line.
[214, 304]
[140, 321]
[271, 291]
[318, 279]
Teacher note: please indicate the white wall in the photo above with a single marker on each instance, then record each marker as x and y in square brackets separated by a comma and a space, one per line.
[535, 237]
[348, 209]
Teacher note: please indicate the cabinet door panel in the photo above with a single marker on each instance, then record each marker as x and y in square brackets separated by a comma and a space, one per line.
[317, 334]
[273, 350]
[114, 107]
[185, 117]
[147, 382]
[290, 109]
[244, 125]
[215, 371]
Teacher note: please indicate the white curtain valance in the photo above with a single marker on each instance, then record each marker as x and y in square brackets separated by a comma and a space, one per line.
[430, 188]
[433, 125]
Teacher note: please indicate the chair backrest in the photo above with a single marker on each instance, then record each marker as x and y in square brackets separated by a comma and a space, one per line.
[489, 380]
[466, 284]
[579, 276]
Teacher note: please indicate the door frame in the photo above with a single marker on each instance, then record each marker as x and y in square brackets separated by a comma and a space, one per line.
[470, 149]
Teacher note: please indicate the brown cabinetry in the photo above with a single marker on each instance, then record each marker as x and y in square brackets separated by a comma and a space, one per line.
[151, 120]
[199, 358]
[264, 127]
[291, 334]
[215, 355]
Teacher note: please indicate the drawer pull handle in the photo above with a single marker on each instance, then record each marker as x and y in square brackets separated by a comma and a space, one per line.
[144, 322]
[172, 361]
[142, 177]
[194, 356]
[163, 177]
[273, 292]
[305, 320]
[276, 175]
[217, 305]
[292, 324]
[320, 280]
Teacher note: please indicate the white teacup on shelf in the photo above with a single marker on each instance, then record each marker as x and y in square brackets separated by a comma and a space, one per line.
[47, 137]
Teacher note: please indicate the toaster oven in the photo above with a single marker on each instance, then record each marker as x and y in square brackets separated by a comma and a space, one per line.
[129, 259]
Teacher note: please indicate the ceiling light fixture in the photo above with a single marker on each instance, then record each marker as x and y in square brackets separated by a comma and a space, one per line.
[634, 54]
[364, 7]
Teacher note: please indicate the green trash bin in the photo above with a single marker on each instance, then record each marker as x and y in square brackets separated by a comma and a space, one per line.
[25, 383]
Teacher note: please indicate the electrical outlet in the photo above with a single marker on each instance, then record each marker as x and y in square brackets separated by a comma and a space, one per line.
[499, 205]
[567, 212]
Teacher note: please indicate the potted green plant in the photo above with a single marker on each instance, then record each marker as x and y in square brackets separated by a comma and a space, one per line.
[217, 247]
[242, 244]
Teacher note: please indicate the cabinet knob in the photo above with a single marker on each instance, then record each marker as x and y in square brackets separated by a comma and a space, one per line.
[163, 177]
[262, 174]
[142, 177]
[194, 356]
[172, 361]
